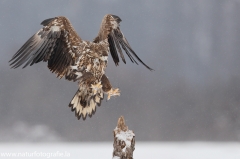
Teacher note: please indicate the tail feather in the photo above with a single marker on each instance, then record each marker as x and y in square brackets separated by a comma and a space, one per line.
[84, 102]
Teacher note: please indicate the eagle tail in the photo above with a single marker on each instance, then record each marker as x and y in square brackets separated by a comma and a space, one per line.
[85, 100]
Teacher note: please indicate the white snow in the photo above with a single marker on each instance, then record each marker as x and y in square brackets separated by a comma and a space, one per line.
[125, 136]
[143, 150]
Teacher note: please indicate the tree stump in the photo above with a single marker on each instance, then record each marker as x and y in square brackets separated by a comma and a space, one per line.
[124, 141]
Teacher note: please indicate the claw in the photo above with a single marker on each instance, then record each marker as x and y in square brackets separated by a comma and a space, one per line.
[113, 92]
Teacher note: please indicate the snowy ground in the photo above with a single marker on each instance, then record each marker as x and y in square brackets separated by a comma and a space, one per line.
[143, 150]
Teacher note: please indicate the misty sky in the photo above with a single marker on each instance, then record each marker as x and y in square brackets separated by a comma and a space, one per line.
[193, 94]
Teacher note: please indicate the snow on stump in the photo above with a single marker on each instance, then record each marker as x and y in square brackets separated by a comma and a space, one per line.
[124, 141]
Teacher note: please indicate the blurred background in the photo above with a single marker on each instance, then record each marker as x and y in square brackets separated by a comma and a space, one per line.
[193, 94]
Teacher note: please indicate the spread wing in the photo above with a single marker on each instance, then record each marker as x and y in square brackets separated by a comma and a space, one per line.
[53, 43]
[117, 41]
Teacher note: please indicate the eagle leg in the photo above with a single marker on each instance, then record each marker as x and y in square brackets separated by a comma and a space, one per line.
[113, 92]
[107, 87]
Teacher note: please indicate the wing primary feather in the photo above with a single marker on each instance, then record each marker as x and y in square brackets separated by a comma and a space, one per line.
[24, 55]
[113, 50]
[34, 54]
[125, 49]
[43, 51]
[118, 47]
[40, 57]
[125, 45]
[31, 50]
[131, 50]
[40, 53]
[119, 38]
[26, 45]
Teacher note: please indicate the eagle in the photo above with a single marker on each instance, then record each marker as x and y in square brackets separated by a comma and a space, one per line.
[67, 55]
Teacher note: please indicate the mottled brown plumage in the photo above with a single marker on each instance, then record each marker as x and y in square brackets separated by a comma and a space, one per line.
[77, 60]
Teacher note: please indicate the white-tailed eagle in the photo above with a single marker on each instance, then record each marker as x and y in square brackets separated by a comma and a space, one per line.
[68, 55]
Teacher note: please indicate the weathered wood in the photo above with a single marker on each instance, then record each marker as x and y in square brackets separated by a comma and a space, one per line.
[124, 141]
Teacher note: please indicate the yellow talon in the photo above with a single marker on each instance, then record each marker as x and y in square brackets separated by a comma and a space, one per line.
[113, 92]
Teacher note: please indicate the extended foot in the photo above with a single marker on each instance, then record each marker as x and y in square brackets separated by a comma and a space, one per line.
[96, 87]
[113, 92]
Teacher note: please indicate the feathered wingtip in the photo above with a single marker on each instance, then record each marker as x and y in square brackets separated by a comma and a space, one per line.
[117, 42]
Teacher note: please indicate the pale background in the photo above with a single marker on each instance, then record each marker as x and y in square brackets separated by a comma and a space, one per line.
[193, 94]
